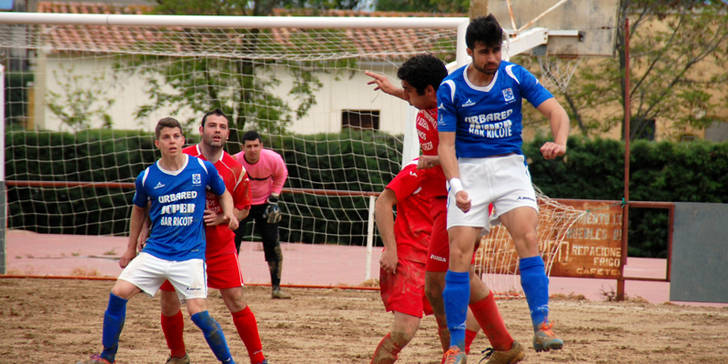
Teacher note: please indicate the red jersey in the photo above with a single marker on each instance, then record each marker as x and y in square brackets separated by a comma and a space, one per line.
[426, 123]
[220, 239]
[413, 224]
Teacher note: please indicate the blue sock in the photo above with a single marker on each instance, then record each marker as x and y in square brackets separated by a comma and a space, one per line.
[456, 296]
[113, 323]
[214, 336]
[535, 285]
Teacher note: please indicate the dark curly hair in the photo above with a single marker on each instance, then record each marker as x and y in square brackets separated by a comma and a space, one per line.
[422, 70]
[484, 29]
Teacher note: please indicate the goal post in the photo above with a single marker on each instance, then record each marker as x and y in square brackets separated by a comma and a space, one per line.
[4, 211]
[90, 87]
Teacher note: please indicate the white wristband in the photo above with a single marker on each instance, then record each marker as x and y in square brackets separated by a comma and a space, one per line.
[456, 185]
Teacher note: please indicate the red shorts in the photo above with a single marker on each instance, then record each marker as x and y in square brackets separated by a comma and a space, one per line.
[223, 271]
[438, 252]
[405, 291]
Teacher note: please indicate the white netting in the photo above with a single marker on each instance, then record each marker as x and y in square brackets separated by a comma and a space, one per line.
[82, 100]
[497, 261]
[557, 71]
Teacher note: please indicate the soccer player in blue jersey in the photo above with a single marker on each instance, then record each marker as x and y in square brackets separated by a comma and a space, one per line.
[173, 190]
[480, 124]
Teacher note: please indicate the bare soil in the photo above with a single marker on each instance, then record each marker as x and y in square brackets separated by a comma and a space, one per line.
[59, 321]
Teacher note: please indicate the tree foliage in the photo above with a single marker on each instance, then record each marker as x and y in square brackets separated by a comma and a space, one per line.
[241, 86]
[429, 6]
[83, 99]
[678, 54]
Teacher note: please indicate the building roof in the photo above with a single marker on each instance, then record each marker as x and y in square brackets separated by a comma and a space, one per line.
[238, 43]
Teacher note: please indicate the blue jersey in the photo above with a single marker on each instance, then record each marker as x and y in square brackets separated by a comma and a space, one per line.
[487, 120]
[177, 207]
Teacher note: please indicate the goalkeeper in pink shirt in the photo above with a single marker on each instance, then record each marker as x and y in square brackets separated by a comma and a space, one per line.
[267, 172]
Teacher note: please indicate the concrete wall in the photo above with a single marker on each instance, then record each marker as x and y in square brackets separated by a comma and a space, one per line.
[64, 75]
[699, 253]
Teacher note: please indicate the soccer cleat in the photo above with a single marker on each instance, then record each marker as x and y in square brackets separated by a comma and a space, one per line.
[265, 361]
[512, 356]
[95, 359]
[174, 360]
[454, 355]
[278, 294]
[545, 340]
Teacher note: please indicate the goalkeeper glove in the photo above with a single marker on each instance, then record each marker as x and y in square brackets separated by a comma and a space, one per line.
[272, 212]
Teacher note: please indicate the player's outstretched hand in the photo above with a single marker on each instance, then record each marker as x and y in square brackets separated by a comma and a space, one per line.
[388, 261]
[462, 200]
[125, 258]
[551, 150]
[382, 83]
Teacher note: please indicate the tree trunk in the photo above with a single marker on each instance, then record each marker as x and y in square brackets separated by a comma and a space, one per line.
[478, 8]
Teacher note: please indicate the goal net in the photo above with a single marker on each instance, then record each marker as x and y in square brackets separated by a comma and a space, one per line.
[496, 260]
[82, 100]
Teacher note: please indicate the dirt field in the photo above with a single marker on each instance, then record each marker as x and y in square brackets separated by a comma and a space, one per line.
[59, 321]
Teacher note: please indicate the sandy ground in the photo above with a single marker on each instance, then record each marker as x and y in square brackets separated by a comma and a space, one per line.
[32, 254]
[59, 321]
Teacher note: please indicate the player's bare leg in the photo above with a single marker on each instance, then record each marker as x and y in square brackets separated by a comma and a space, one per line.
[522, 222]
[434, 285]
[403, 330]
[245, 322]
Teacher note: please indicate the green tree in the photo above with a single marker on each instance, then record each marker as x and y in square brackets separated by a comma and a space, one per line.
[668, 41]
[82, 99]
[429, 6]
[239, 84]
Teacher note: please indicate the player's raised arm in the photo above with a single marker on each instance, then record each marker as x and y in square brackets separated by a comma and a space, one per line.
[559, 120]
[383, 83]
[384, 217]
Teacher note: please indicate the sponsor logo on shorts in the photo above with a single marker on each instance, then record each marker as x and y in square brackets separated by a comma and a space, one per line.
[526, 198]
[193, 289]
[438, 258]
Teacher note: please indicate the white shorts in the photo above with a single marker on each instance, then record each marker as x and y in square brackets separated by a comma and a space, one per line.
[149, 272]
[503, 181]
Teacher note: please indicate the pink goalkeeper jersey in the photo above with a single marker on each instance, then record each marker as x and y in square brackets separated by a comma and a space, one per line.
[267, 175]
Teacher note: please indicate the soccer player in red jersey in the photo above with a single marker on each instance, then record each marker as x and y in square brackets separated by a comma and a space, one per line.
[402, 264]
[421, 76]
[223, 268]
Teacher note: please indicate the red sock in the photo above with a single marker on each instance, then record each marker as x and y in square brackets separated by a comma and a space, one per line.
[248, 330]
[172, 327]
[490, 320]
[469, 337]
